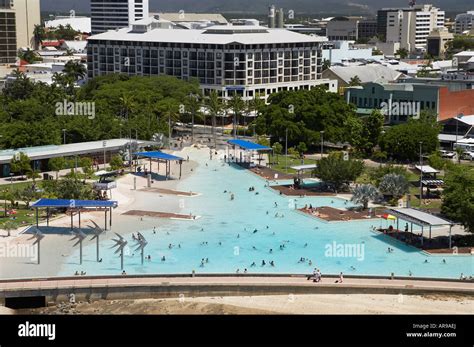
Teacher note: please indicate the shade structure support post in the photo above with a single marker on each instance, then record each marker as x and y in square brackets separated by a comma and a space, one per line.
[37, 220]
[79, 219]
[422, 234]
[72, 222]
[110, 217]
[38, 251]
[430, 232]
[47, 216]
[105, 220]
[180, 168]
[150, 166]
[450, 229]
[398, 229]
[97, 248]
[80, 253]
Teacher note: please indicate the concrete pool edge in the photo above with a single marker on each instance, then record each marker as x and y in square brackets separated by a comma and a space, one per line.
[138, 287]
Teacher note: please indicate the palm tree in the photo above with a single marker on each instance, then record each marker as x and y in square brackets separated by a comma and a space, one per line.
[9, 226]
[75, 70]
[169, 108]
[402, 53]
[28, 55]
[364, 193]
[38, 35]
[394, 185]
[215, 106]
[237, 105]
[193, 105]
[459, 152]
[355, 81]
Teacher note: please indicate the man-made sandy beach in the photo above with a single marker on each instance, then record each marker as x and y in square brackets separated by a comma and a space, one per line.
[56, 247]
[276, 304]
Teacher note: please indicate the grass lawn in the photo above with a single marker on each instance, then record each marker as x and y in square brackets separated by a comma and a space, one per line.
[23, 217]
[280, 163]
[17, 186]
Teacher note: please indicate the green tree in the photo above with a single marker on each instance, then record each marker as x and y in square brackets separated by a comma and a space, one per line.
[377, 174]
[355, 81]
[277, 149]
[20, 164]
[437, 162]
[394, 185]
[9, 226]
[38, 35]
[28, 55]
[402, 53]
[364, 193]
[116, 163]
[57, 164]
[87, 165]
[301, 148]
[458, 196]
[338, 172]
[215, 107]
[237, 106]
[75, 70]
[402, 142]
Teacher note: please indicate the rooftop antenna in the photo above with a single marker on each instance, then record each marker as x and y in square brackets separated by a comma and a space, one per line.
[97, 232]
[120, 243]
[37, 236]
[141, 244]
[412, 3]
[79, 236]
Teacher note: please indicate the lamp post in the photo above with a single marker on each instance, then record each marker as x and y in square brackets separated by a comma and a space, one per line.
[322, 143]
[286, 150]
[104, 144]
[64, 136]
[169, 130]
[458, 117]
[421, 174]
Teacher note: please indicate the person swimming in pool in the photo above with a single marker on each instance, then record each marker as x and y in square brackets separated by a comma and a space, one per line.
[263, 263]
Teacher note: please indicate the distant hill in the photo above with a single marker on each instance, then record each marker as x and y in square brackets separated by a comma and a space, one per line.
[260, 6]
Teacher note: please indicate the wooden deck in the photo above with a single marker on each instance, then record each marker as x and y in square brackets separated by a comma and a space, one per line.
[153, 214]
[289, 191]
[167, 191]
[332, 214]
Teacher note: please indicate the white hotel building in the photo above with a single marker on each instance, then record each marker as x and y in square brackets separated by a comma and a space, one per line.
[252, 61]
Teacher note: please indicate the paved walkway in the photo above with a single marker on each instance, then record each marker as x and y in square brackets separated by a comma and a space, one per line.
[289, 282]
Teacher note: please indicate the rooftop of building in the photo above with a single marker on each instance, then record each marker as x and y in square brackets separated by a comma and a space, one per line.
[366, 73]
[81, 24]
[191, 17]
[44, 152]
[219, 34]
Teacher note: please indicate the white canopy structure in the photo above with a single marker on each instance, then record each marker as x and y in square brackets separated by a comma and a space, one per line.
[421, 218]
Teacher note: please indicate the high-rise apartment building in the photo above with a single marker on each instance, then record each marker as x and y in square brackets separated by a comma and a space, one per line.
[18, 19]
[116, 14]
[7, 33]
[409, 26]
[464, 22]
[28, 15]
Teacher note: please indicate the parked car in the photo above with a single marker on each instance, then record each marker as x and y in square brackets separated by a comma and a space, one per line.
[468, 156]
[447, 154]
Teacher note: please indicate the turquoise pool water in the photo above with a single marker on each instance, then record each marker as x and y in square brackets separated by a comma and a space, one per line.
[225, 235]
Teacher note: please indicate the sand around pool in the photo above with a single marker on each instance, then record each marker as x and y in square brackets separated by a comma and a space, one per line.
[275, 304]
